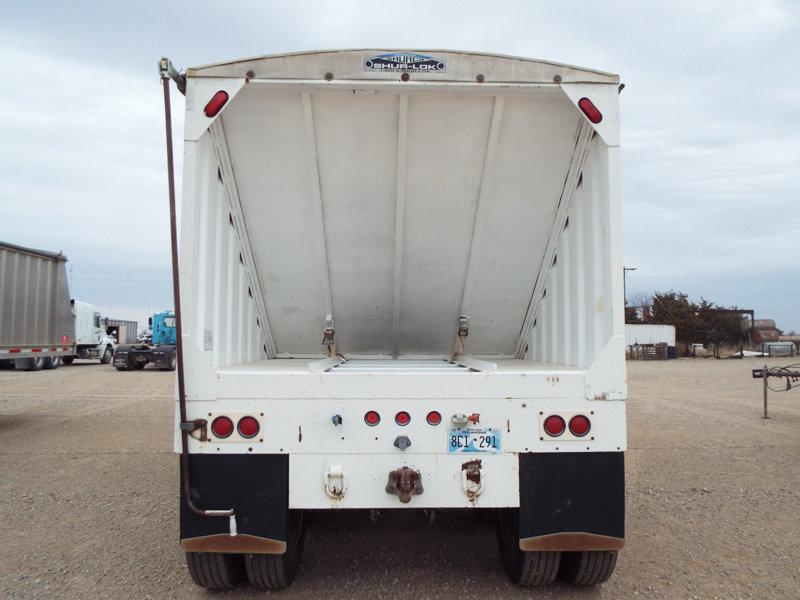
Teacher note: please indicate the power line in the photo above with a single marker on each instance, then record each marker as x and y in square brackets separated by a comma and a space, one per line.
[122, 280]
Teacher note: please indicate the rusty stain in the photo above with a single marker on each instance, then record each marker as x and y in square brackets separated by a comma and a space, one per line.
[299, 433]
[508, 425]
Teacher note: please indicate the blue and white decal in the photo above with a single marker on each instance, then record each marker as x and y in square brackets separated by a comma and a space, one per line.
[405, 62]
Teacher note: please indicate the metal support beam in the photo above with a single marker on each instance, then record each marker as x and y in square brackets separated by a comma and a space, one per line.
[399, 217]
[317, 202]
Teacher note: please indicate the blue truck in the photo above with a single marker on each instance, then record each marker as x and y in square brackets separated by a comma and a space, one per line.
[160, 351]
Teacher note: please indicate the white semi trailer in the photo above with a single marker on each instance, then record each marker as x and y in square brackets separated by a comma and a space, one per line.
[402, 288]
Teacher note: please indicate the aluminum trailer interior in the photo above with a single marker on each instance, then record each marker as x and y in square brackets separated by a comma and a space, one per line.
[402, 287]
[36, 326]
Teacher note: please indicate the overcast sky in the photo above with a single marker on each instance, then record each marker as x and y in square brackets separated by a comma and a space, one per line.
[710, 132]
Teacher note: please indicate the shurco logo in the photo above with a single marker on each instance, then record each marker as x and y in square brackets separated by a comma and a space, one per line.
[404, 61]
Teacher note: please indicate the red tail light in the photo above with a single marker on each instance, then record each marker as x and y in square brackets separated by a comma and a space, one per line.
[372, 418]
[222, 427]
[248, 427]
[554, 426]
[216, 103]
[402, 418]
[579, 425]
[434, 418]
[590, 110]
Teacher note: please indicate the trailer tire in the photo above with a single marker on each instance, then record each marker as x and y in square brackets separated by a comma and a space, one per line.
[35, 363]
[67, 360]
[173, 363]
[52, 362]
[214, 570]
[277, 571]
[126, 367]
[525, 569]
[587, 568]
[107, 356]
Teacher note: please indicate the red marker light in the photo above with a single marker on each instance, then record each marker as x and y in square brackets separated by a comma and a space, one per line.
[402, 418]
[434, 418]
[222, 427]
[216, 103]
[590, 110]
[372, 418]
[554, 426]
[579, 425]
[248, 427]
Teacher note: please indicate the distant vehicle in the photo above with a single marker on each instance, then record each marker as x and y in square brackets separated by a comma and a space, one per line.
[90, 334]
[36, 325]
[160, 350]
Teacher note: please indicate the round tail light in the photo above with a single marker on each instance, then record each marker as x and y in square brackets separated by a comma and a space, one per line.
[434, 418]
[248, 427]
[554, 426]
[372, 418]
[222, 427]
[402, 418]
[579, 425]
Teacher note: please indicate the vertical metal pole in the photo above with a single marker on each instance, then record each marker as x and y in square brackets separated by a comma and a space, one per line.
[766, 389]
[176, 293]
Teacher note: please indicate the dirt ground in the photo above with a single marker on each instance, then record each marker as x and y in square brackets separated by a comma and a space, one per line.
[89, 498]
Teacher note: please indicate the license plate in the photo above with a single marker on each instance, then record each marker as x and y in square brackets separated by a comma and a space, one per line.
[474, 439]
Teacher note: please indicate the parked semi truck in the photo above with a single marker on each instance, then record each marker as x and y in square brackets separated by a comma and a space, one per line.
[91, 338]
[401, 288]
[36, 326]
[160, 351]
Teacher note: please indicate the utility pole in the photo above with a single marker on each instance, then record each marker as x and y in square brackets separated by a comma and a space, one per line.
[625, 282]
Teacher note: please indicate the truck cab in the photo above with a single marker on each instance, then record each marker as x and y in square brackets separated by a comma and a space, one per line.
[163, 327]
[91, 338]
[160, 350]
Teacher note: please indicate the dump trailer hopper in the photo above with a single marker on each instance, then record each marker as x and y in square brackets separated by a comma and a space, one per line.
[392, 259]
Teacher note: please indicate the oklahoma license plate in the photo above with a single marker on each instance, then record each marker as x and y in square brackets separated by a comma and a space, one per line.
[474, 439]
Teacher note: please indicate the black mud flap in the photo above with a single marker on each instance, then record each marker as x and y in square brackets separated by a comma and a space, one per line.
[572, 501]
[256, 486]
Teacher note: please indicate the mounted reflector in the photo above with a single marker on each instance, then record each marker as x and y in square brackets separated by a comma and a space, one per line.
[216, 103]
[590, 110]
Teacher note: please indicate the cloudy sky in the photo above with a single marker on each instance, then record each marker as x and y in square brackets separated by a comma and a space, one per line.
[710, 133]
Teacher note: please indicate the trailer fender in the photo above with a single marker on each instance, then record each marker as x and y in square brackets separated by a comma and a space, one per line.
[256, 486]
[571, 501]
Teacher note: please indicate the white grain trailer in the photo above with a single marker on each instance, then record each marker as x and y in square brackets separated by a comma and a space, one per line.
[402, 288]
[36, 326]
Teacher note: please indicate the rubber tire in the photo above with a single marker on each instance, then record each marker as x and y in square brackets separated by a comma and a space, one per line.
[51, 362]
[525, 569]
[126, 367]
[35, 364]
[108, 355]
[587, 568]
[214, 570]
[67, 360]
[139, 366]
[278, 571]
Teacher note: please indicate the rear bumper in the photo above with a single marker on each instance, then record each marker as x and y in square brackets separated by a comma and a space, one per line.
[567, 501]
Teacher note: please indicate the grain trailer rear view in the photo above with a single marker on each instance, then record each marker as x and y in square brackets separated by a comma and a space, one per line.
[401, 288]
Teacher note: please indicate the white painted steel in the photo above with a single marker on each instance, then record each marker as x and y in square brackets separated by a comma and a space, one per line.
[649, 334]
[398, 208]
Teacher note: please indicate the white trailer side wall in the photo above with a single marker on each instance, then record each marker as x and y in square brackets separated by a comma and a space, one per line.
[579, 310]
[220, 318]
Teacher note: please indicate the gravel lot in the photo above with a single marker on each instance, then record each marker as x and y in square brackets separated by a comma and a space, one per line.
[89, 494]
